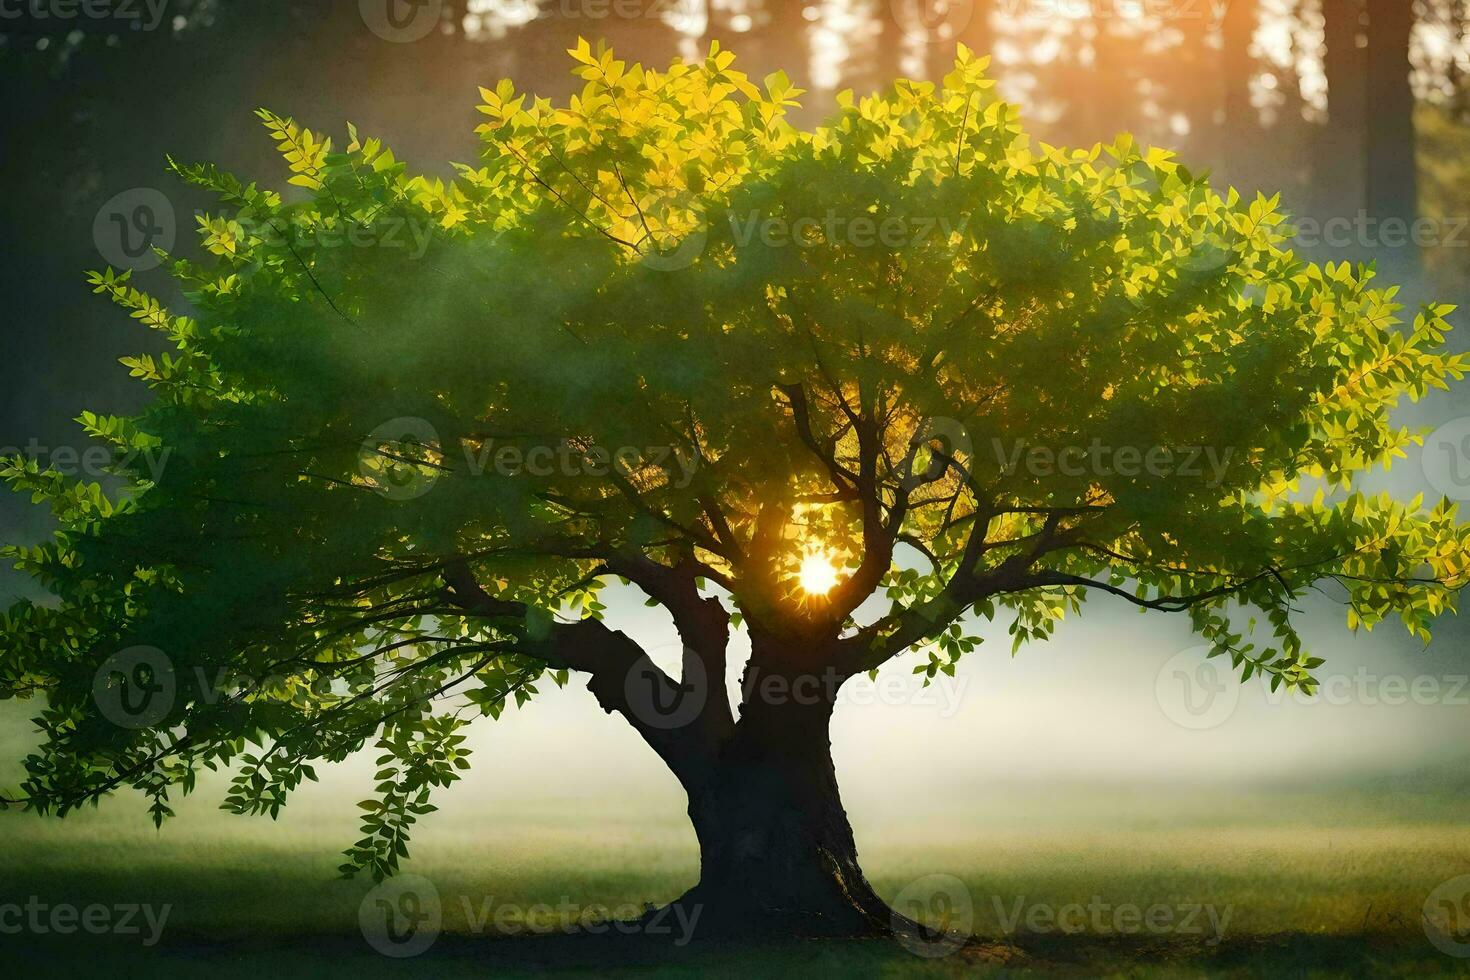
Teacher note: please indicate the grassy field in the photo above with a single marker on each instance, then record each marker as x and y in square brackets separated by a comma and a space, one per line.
[1280, 883]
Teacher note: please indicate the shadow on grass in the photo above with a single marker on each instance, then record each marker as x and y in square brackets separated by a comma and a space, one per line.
[612, 954]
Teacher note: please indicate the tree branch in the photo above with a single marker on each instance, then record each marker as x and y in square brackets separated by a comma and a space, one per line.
[616, 666]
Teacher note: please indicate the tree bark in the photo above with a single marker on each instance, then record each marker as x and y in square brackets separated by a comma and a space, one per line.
[1238, 67]
[777, 854]
[1393, 184]
[1341, 151]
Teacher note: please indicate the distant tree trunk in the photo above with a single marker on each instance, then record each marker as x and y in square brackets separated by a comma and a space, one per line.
[979, 34]
[787, 40]
[1393, 184]
[1460, 19]
[972, 25]
[1237, 31]
[1341, 165]
[887, 60]
[1114, 87]
[712, 26]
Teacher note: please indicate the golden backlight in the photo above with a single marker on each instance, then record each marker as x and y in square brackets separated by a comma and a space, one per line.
[818, 573]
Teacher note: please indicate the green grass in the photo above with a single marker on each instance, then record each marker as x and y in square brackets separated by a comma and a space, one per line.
[1316, 884]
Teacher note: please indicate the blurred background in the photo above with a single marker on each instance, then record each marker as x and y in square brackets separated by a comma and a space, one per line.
[1357, 111]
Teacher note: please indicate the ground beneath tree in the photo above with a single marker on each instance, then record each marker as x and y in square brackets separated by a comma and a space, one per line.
[1375, 955]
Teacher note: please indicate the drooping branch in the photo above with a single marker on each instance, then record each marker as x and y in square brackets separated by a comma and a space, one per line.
[1163, 603]
[703, 625]
[613, 661]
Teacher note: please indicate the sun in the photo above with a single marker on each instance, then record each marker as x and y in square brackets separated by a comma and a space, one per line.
[818, 573]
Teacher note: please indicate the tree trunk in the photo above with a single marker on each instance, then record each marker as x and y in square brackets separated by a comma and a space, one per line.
[1239, 133]
[1393, 186]
[1341, 150]
[776, 850]
[978, 34]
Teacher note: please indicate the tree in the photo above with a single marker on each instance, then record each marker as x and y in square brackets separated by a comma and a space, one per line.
[1342, 149]
[1239, 118]
[762, 375]
[1393, 177]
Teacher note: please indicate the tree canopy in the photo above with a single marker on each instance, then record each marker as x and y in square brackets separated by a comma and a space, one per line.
[412, 426]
